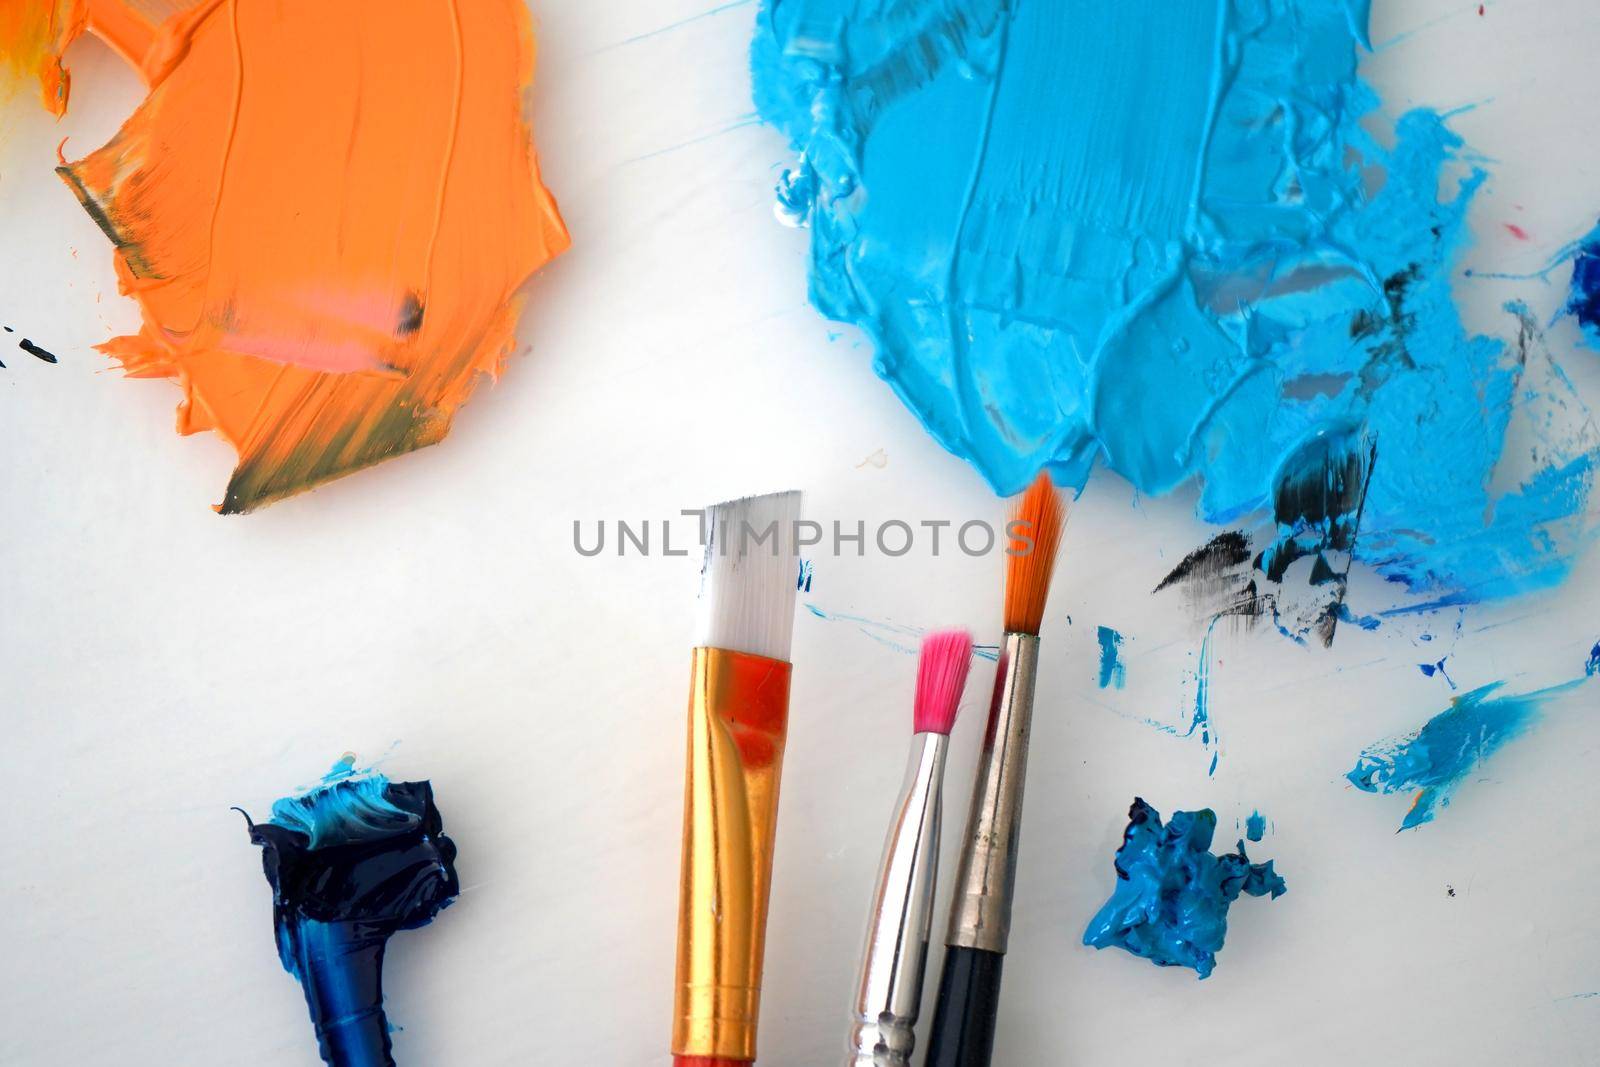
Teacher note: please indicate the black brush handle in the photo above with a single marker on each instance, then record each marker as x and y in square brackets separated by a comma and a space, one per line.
[965, 1009]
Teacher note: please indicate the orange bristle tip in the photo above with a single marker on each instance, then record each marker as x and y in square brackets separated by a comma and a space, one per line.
[941, 676]
[1035, 539]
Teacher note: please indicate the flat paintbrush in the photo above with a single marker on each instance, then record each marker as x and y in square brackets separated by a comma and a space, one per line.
[738, 721]
[889, 990]
[980, 917]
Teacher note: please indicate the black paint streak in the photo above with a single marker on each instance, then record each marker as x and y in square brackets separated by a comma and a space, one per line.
[1214, 559]
[410, 316]
[132, 254]
[1250, 603]
[1387, 352]
[1321, 496]
[1319, 506]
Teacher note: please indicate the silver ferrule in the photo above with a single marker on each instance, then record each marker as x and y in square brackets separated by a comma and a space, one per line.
[889, 992]
[980, 916]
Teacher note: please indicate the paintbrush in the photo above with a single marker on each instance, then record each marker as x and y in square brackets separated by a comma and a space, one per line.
[889, 991]
[980, 915]
[738, 719]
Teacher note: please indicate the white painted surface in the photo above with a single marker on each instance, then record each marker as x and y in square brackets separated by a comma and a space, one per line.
[159, 663]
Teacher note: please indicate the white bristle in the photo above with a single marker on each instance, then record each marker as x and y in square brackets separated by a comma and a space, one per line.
[747, 589]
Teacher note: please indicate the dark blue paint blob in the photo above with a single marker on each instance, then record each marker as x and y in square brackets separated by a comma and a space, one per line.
[1436, 668]
[1172, 897]
[350, 863]
[1112, 670]
[1584, 301]
[1255, 827]
[1436, 759]
[1592, 668]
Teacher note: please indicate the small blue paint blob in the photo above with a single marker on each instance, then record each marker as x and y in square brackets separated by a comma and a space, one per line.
[1171, 902]
[350, 863]
[1255, 827]
[1436, 759]
[1583, 303]
[1113, 673]
[802, 581]
[1592, 668]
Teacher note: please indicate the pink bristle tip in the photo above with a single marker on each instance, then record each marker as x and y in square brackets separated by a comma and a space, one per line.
[941, 676]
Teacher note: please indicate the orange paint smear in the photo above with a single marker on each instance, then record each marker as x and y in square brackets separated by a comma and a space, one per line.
[327, 213]
[33, 36]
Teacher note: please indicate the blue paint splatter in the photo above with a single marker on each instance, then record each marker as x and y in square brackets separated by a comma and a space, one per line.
[1255, 827]
[1251, 273]
[1112, 670]
[1436, 668]
[1435, 760]
[1171, 902]
[1592, 668]
[803, 581]
[352, 862]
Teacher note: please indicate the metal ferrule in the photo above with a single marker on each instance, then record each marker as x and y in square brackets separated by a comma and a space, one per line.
[738, 718]
[890, 988]
[980, 916]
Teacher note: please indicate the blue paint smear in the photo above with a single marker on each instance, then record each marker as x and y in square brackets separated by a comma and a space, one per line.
[1199, 713]
[1112, 671]
[350, 863]
[1201, 719]
[1255, 827]
[1366, 622]
[894, 635]
[1435, 760]
[1592, 668]
[1171, 902]
[1157, 236]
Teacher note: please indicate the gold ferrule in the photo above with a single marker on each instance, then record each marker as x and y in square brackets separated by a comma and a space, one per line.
[738, 717]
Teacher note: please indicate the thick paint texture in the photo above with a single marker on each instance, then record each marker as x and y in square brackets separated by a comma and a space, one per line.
[1172, 897]
[1255, 827]
[1451, 746]
[327, 214]
[351, 863]
[1158, 237]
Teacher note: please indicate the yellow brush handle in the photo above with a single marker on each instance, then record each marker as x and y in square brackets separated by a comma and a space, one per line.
[738, 718]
